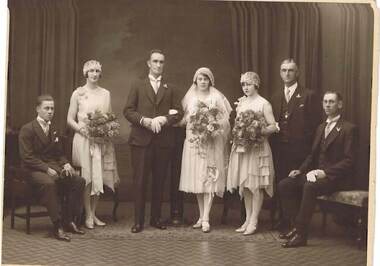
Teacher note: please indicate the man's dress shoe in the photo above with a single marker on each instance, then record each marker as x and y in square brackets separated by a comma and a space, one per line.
[175, 221]
[137, 228]
[158, 225]
[71, 227]
[60, 235]
[288, 235]
[296, 241]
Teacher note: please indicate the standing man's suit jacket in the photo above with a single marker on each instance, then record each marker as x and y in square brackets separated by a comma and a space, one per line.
[340, 145]
[143, 102]
[39, 151]
[304, 113]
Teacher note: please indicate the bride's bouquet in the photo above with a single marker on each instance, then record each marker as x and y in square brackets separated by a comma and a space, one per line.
[204, 124]
[247, 131]
[102, 127]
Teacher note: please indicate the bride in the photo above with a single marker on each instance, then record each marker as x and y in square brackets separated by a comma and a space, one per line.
[203, 167]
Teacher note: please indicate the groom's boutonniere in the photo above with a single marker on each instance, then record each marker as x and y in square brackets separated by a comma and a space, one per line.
[298, 96]
[165, 86]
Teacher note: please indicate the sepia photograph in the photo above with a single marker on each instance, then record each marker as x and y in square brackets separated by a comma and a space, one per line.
[189, 132]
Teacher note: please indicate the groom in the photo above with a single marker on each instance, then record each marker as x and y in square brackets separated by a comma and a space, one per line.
[152, 107]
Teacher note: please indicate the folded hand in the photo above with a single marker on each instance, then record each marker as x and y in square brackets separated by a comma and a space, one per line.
[311, 176]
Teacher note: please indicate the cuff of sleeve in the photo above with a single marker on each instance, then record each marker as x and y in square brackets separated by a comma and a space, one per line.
[141, 120]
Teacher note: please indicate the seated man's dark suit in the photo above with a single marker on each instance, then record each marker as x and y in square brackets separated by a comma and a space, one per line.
[335, 156]
[38, 152]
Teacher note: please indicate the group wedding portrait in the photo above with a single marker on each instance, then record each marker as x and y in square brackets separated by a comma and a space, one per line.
[189, 132]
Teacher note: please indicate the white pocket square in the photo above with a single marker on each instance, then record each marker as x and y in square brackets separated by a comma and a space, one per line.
[301, 105]
[338, 129]
[298, 96]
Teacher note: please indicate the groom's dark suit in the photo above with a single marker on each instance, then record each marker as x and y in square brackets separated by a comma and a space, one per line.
[150, 151]
[39, 152]
[335, 156]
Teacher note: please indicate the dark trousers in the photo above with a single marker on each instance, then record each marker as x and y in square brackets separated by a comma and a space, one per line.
[145, 160]
[299, 197]
[287, 156]
[50, 190]
[176, 196]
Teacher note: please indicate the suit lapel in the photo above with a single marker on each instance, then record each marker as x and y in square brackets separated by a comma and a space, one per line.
[294, 101]
[335, 132]
[277, 99]
[160, 92]
[40, 133]
[319, 134]
[149, 90]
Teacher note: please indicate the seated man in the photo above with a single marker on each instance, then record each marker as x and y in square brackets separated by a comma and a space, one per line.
[323, 172]
[41, 154]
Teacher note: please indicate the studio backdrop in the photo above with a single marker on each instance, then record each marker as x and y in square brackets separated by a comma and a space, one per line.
[50, 40]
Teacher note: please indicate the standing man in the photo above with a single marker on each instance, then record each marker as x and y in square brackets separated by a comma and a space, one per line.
[152, 108]
[297, 111]
[323, 172]
[49, 171]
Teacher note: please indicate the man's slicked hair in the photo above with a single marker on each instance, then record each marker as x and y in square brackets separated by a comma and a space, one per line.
[44, 97]
[338, 95]
[290, 61]
[154, 51]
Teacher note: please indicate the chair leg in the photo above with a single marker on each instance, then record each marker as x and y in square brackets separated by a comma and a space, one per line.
[13, 210]
[28, 218]
[361, 230]
[324, 221]
[226, 197]
[115, 205]
[273, 211]
[243, 214]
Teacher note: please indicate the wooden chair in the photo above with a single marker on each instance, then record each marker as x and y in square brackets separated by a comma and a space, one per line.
[21, 192]
[357, 200]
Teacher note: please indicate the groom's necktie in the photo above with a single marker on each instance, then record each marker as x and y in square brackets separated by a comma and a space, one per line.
[287, 94]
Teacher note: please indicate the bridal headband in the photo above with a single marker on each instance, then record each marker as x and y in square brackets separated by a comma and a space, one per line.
[251, 77]
[207, 72]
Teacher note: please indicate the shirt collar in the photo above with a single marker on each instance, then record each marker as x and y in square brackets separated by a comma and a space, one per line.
[333, 120]
[43, 122]
[292, 88]
[153, 78]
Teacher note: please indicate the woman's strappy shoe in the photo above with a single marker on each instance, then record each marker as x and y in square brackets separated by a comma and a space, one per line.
[251, 229]
[198, 224]
[89, 223]
[205, 227]
[98, 222]
[242, 228]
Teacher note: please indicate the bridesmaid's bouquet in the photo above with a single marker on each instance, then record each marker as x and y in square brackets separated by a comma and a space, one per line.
[102, 127]
[247, 130]
[204, 124]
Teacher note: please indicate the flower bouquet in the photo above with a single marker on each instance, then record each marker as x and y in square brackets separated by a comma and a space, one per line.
[204, 124]
[102, 127]
[247, 131]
